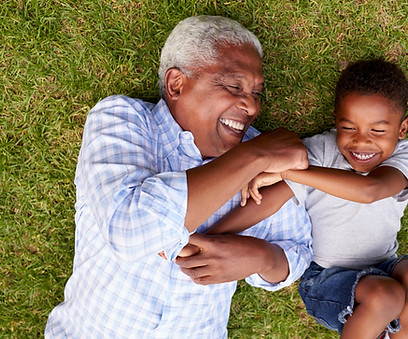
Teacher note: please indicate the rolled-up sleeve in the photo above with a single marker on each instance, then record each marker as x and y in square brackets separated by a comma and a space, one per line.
[139, 208]
[289, 228]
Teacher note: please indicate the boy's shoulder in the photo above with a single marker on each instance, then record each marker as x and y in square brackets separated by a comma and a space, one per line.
[325, 141]
[327, 137]
[401, 150]
[323, 151]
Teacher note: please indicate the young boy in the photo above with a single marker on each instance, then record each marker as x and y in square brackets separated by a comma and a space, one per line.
[355, 192]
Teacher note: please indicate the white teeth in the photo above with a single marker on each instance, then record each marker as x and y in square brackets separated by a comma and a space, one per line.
[363, 156]
[234, 124]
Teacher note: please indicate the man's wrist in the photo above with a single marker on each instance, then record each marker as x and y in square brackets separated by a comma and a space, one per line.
[254, 157]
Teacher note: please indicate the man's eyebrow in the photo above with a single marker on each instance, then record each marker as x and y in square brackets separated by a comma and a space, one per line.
[238, 76]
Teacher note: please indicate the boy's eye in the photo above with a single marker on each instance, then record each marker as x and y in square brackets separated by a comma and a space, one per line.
[378, 130]
[346, 128]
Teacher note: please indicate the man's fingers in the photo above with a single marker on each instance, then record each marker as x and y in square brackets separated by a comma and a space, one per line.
[196, 272]
[199, 240]
[189, 250]
[200, 275]
[162, 255]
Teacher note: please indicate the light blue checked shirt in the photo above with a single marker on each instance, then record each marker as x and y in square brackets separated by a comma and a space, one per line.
[131, 203]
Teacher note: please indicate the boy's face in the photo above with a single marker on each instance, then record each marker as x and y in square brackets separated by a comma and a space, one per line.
[368, 129]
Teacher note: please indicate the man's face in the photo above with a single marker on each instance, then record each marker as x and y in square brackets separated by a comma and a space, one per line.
[368, 129]
[220, 104]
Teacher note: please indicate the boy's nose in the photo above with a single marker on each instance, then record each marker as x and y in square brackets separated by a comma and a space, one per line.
[361, 138]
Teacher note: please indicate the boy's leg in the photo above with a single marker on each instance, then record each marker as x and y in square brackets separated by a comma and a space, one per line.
[329, 293]
[400, 273]
[379, 300]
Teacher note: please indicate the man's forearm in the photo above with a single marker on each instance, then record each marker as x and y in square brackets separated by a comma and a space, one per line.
[213, 184]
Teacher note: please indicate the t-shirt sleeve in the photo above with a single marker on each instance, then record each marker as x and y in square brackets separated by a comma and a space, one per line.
[399, 160]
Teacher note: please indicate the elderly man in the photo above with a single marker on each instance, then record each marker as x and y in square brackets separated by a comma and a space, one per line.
[150, 178]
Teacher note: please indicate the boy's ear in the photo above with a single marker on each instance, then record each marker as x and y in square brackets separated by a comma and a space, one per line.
[174, 83]
[403, 128]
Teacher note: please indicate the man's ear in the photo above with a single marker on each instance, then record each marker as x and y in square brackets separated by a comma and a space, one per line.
[174, 83]
[403, 128]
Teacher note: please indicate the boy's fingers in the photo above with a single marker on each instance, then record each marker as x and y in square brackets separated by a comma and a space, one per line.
[256, 196]
[254, 190]
[244, 195]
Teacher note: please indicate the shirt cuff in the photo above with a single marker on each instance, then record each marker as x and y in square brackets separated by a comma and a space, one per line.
[165, 195]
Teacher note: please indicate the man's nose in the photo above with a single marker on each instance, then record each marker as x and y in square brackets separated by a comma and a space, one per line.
[249, 104]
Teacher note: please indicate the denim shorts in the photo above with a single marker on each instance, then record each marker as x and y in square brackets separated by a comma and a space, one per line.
[328, 293]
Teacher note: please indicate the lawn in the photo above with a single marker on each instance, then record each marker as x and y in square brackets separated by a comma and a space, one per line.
[59, 58]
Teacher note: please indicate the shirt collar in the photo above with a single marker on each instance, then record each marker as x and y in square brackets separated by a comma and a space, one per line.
[172, 135]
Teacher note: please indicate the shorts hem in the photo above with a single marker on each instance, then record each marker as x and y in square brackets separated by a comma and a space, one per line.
[394, 326]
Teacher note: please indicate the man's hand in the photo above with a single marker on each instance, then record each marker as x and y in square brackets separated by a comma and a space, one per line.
[225, 258]
[282, 150]
[189, 250]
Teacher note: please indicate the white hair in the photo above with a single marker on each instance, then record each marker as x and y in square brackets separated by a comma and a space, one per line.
[193, 44]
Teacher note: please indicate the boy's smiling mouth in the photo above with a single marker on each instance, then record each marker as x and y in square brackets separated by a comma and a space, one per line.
[363, 156]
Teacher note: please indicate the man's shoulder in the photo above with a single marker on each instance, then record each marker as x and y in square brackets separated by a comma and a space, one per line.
[117, 103]
[123, 108]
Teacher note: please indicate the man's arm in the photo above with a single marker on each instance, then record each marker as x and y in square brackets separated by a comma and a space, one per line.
[381, 183]
[271, 260]
[212, 185]
[278, 250]
[225, 258]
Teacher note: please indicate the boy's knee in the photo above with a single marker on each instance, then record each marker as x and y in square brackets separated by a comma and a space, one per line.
[400, 273]
[384, 295]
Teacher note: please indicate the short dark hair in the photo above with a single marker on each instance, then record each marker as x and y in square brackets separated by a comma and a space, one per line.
[375, 76]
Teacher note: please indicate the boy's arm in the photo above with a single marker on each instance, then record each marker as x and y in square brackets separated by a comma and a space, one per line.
[380, 183]
[241, 218]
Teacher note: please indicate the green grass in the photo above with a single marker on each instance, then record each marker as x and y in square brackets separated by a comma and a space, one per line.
[58, 58]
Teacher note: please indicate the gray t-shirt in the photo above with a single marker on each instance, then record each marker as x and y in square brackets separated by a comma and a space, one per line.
[345, 233]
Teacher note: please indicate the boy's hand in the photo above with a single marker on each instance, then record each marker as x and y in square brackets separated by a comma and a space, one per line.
[252, 189]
